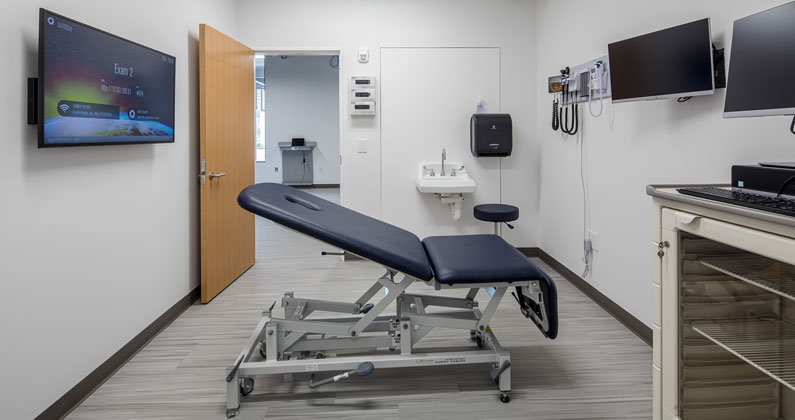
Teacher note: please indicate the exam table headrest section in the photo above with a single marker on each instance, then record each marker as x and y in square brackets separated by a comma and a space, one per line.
[354, 232]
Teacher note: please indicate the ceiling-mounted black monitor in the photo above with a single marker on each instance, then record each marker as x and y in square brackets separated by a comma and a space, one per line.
[671, 63]
[762, 65]
[96, 88]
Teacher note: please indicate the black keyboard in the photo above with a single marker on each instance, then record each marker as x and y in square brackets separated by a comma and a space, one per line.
[759, 202]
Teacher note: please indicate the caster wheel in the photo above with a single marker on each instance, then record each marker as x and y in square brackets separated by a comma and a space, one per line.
[262, 351]
[246, 386]
[479, 340]
[473, 334]
[505, 398]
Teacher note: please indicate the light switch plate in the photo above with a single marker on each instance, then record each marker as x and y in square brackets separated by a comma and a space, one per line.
[361, 146]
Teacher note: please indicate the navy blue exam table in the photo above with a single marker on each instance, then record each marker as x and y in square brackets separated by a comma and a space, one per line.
[366, 338]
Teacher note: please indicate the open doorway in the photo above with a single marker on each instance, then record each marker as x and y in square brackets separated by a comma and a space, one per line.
[297, 119]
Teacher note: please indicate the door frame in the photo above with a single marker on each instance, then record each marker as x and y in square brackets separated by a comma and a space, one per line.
[341, 86]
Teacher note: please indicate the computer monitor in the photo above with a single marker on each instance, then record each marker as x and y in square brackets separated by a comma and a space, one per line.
[96, 88]
[671, 63]
[762, 64]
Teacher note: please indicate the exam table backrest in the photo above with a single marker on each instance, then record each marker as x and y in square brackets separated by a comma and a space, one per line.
[353, 232]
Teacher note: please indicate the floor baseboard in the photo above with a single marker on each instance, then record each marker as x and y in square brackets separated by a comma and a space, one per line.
[75, 396]
[316, 186]
[633, 324]
[530, 252]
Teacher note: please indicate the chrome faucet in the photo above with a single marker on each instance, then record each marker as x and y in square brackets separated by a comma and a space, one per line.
[444, 157]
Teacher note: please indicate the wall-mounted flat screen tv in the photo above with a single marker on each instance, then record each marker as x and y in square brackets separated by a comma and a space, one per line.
[671, 63]
[98, 89]
[762, 65]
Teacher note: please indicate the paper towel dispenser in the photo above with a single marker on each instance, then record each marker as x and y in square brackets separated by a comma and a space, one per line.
[491, 135]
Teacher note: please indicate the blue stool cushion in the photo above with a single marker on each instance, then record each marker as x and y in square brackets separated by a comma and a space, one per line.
[496, 213]
[478, 259]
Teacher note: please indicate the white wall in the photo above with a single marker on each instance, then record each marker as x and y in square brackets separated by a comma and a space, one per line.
[427, 98]
[95, 242]
[346, 26]
[301, 100]
[634, 144]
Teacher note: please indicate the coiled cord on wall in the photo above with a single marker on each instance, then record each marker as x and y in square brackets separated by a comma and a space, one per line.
[587, 257]
[570, 129]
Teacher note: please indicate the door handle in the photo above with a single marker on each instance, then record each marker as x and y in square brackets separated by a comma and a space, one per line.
[214, 175]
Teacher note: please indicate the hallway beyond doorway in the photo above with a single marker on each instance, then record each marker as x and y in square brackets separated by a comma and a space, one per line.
[297, 119]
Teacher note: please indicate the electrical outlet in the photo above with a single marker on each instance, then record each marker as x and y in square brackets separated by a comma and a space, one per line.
[594, 237]
[361, 146]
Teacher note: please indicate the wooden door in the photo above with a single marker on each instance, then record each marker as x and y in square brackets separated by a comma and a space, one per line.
[226, 114]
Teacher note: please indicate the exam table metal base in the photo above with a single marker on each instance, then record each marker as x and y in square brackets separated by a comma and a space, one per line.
[296, 343]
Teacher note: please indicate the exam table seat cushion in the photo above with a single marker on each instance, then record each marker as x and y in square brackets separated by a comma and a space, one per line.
[478, 259]
[354, 232]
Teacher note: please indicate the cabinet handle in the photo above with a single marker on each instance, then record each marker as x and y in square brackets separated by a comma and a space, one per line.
[686, 218]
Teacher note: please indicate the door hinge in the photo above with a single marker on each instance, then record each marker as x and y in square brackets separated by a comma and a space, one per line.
[203, 171]
[661, 248]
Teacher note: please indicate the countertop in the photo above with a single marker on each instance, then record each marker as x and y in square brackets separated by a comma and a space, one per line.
[668, 192]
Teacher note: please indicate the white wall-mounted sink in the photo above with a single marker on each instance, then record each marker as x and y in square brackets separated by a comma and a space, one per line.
[456, 180]
[450, 187]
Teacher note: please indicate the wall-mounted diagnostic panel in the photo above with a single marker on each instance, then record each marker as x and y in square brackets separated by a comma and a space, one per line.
[587, 83]
[361, 96]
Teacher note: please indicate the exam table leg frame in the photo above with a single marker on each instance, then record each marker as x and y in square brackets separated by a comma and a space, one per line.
[295, 344]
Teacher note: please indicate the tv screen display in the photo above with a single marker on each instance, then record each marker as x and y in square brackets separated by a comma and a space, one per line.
[761, 65]
[96, 88]
[674, 62]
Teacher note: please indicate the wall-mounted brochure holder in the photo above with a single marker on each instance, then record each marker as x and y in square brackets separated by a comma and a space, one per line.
[362, 96]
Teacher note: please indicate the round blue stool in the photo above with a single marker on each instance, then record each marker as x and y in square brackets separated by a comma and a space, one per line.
[497, 213]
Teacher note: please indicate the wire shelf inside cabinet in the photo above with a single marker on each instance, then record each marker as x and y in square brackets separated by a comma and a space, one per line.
[768, 345]
[771, 275]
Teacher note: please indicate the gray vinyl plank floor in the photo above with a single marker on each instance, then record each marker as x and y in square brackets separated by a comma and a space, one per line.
[596, 369]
